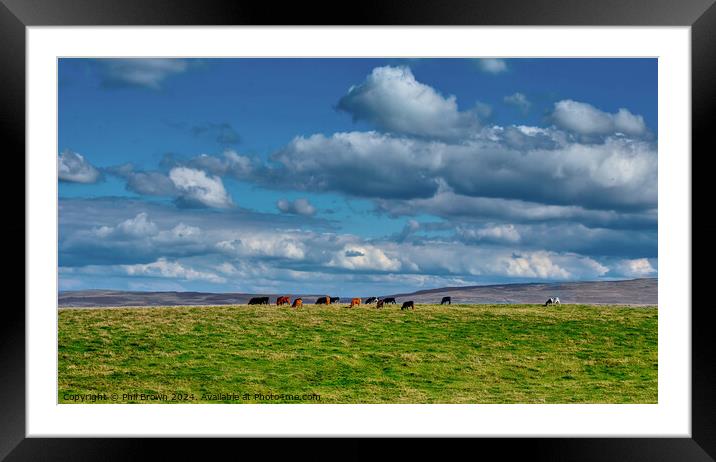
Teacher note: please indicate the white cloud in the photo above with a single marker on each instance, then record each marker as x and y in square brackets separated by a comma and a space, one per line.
[152, 183]
[198, 187]
[616, 174]
[190, 185]
[232, 164]
[141, 226]
[497, 233]
[143, 72]
[74, 168]
[534, 265]
[393, 99]
[585, 119]
[364, 257]
[298, 207]
[137, 227]
[519, 100]
[639, 267]
[266, 244]
[492, 65]
[170, 269]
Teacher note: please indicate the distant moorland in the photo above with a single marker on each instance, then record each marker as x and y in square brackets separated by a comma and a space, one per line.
[628, 292]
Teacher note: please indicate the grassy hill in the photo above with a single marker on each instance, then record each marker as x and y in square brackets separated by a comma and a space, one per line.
[434, 354]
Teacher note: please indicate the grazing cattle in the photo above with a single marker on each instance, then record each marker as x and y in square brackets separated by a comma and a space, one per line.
[298, 303]
[446, 301]
[259, 301]
[408, 305]
[390, 300]
[552, 301]
[335, 299]
[371, 300]
[283, 301]
[355, 302]
[379, 304]
[324, 301]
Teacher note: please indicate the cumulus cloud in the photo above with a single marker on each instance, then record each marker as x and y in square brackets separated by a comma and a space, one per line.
[191, 187]
[197, 187]
[518, 100]
[639, 267]
[544, 265]
[230, 163]
[139, 226]
[364, 257]
[620, 173]
[299, 206]
[492, 65]
[74, 168]
[266, 244]
[585, 119]
[363, 164]
[151, 183]
[142, 72]
[392, 99]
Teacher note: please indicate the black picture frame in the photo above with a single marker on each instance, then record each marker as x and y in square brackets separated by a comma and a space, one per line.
[700, 15]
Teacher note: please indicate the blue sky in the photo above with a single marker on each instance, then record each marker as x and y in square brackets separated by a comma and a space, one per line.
[355, 176]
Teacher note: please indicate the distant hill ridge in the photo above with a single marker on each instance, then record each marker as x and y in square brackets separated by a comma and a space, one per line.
[626, 292]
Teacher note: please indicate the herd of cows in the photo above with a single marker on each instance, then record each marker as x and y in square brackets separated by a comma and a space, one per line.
[380, 302]
[328, 300]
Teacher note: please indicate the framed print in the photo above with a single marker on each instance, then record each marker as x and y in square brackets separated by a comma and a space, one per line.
[444, 222]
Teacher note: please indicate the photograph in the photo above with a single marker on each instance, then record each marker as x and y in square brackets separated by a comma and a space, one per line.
[357, 230]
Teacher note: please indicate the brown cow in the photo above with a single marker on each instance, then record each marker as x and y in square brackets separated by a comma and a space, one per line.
[298, 303]
[379, 304]
[283, 301]
[355, 302]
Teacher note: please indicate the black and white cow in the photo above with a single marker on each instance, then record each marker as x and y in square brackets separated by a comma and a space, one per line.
[552, 301]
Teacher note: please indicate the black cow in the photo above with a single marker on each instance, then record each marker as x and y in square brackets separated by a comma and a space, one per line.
[389, 300]
[324, 301]
[371, 299]
[446, 301]
[335, 299]
[259, 301]
[408, 305]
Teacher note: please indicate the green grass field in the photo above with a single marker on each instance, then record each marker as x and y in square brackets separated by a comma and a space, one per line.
[451, 354]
